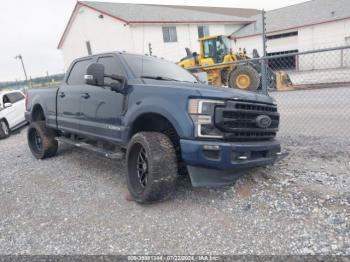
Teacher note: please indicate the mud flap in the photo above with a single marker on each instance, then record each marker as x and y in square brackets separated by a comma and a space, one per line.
[205, 177]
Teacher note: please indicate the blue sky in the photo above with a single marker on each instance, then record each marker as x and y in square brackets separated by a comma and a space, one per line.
[33, 29]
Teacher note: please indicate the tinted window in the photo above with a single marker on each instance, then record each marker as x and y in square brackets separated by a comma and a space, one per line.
[209, 48]
[5, 99]
[112, 67]
[76, 76]
[153, 67]
[14, 97]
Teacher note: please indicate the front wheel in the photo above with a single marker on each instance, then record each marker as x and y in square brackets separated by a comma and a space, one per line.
[41, 140]
[245, 77]
[151, 167]
[4, 130]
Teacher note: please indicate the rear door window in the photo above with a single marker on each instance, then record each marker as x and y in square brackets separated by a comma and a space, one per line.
[14, 97]
[76, 75]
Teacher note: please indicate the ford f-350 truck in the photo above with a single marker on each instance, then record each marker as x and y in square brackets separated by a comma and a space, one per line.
[155, 115]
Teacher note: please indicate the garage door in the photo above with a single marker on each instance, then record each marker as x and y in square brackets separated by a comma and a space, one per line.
[283, 63]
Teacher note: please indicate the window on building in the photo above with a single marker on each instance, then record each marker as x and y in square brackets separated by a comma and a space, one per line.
[112, 67]
[284, 35]
[76, 75]
[169, 34]
[203, 30]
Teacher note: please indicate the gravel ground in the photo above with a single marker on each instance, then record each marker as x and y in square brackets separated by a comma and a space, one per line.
[75, 203]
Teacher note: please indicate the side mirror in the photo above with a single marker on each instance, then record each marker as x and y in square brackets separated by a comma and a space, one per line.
[116, 87]
[95, 74]
[119, 85]
[6, 105]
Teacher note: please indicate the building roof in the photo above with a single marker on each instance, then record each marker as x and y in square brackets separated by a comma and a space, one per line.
[157, 14]
[295, 16]
[138, 13]
[240, 12]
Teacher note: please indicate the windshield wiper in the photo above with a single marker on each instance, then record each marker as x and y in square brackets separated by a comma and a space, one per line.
[165, 78]
[160, 78]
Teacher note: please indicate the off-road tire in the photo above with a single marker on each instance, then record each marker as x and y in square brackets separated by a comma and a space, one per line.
[161, 166]
[245, 70]
[49, 145]
[3, 133]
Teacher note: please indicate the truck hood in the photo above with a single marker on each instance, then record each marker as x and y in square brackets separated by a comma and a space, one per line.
[214, 92]
[230, 93]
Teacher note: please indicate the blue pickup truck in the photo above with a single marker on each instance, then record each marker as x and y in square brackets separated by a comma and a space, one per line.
[157, 116]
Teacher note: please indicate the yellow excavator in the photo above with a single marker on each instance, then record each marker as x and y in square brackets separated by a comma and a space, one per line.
[214, 59]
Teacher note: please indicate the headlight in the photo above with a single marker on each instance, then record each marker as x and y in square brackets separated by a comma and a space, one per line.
[202, 113]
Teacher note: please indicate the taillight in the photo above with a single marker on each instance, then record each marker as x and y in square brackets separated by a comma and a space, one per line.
[26, 102]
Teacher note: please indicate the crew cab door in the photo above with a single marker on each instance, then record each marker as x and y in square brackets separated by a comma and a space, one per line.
[69, 97]
[101, 108]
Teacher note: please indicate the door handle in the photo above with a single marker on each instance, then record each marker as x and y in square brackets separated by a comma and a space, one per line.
[62, 94]
[85, 95]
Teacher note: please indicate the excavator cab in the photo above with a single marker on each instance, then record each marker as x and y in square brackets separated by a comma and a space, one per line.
[215, 48]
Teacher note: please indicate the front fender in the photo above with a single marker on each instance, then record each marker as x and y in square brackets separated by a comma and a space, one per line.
[176, 114]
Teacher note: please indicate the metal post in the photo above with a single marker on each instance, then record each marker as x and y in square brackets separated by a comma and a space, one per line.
[24, 69]
[47, 79]
[150, 49]
[263, 61]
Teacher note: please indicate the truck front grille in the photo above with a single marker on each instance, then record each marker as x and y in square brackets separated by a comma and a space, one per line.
[238, 121]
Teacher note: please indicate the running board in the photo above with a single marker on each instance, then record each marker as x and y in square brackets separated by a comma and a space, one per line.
[106, 153]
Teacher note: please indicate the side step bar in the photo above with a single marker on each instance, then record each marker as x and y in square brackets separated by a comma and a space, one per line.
[106, 153]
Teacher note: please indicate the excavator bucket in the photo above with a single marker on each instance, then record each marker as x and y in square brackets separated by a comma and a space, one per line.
[283, 82]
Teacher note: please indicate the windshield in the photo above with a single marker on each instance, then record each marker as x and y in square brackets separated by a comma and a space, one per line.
[223, 46]
[154, 68]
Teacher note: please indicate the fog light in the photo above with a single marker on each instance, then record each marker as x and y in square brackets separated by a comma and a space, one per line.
[242, 158]
[279, 153]
[211, 147]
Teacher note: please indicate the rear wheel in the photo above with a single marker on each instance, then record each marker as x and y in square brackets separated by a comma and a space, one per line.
[4, 129]
[245, 78]
[41, 140]
[152, 167]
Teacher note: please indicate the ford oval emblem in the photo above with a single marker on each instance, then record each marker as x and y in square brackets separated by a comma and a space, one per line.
[263, 121]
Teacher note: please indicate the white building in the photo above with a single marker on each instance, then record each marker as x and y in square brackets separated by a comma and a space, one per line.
[96, 27]
[307, 26]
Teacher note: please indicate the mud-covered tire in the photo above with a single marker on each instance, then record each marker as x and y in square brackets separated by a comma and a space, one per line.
[160, 169]
[245, 70]
[41, 140]
[5, 131]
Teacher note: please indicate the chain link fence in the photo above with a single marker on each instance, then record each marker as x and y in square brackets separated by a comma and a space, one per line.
[319, 104]
[312, 89]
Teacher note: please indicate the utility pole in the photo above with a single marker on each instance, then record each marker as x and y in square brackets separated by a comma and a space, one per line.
[24, 69]
[150, 49]
[263, 61]
[47, 79]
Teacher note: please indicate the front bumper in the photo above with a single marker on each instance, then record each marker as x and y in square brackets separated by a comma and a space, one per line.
[220, 163]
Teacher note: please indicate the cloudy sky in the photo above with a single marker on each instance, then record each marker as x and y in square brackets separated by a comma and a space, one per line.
[33, 29]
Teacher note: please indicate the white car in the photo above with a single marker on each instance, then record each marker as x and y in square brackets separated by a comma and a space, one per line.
[12, 108]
